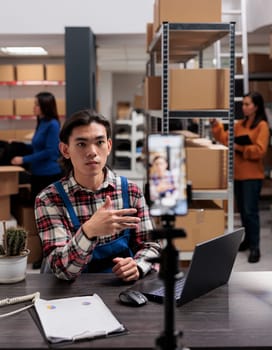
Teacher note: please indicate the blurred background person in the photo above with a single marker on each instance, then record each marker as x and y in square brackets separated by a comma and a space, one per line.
[44, 148]
[250, 146]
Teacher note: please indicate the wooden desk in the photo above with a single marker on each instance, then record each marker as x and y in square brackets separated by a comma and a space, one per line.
[237, 315]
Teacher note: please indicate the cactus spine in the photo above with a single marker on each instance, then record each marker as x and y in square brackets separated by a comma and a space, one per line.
[14, 241]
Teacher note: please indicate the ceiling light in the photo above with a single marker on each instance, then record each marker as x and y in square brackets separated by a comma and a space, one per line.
[34, 50]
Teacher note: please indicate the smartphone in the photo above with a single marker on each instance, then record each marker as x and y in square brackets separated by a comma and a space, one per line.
[166, 169]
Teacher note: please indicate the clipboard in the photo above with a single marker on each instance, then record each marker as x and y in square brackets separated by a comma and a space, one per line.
[76, 318]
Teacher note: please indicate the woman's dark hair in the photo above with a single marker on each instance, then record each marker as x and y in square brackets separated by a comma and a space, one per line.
[81, 118]
[258, 101]
[48, 105]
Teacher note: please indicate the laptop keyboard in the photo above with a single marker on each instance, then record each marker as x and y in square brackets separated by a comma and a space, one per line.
[178, 288]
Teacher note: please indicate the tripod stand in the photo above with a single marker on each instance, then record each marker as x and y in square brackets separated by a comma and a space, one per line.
[169, 272]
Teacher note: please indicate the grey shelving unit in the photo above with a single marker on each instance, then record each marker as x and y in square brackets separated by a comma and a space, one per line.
[191, 39]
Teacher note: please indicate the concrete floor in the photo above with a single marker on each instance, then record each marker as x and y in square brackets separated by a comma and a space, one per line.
[265, 262]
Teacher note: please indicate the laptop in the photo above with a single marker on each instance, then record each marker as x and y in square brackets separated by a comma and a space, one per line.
[210, 267]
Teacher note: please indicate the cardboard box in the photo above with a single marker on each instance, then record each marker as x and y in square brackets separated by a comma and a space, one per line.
[188, 89]
[5, 207]
[24, 134]
[152, 93]
[259, 63]
[35, 247]
[24, 106]
[9, 179]
[183, 11]
[7, 72]
[16, 134]
[123, 110]
[189, 135]
[6, 107]
[55, 72]
[7, 135]
[207, 166]
[205, 220]
[138, 102]
[29, 72]
[185, 85]
[61, 106]
[264, 88]
[26, 218]
[149, 35]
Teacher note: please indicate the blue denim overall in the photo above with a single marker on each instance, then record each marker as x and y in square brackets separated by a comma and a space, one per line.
[103, 254]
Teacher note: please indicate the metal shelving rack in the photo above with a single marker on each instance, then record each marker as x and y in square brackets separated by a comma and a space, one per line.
[190, 39]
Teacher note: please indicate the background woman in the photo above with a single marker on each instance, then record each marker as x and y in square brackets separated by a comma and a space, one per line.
[248, 166]
[43, 159]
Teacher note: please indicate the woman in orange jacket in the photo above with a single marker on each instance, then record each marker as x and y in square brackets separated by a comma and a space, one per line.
[248, 166]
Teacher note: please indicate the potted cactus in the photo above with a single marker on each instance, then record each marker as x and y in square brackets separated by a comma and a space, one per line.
[13, 255]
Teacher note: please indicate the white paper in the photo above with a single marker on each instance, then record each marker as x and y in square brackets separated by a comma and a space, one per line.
[70, 319]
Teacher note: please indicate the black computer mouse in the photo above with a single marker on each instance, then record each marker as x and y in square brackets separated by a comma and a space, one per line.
[132, 298]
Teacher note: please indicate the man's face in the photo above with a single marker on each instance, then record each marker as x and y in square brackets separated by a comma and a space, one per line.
[160, 166]
[88, 149]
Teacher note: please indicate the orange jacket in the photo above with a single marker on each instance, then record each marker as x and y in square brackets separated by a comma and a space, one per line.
[248, 159]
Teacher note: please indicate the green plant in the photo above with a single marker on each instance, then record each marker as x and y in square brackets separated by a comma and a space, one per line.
[14, 241]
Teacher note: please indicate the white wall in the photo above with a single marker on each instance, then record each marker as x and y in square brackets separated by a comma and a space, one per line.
[52, 16]
[104, 93]
[259, 14]
[124, 87]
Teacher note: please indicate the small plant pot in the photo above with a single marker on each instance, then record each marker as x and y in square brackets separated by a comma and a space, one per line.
[13, 268]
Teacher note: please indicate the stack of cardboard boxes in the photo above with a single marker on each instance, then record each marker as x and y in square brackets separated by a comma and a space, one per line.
[207, 169]
[27, 74]
[187, 90]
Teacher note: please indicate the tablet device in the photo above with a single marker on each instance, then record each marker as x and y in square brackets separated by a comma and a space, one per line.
[167, 174]
[242, 140]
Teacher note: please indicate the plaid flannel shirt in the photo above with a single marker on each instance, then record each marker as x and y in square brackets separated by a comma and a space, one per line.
[66, 249]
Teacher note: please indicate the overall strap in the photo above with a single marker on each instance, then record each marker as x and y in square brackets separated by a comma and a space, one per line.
[68, 204]
[124, 186]
[71, 211]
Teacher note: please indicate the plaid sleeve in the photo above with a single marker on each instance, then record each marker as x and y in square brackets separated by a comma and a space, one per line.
[66, 250]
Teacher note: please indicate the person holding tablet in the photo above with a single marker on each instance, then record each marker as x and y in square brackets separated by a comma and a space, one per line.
[251, 142]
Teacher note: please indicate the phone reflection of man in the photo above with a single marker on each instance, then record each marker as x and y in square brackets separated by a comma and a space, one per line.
[162, 183]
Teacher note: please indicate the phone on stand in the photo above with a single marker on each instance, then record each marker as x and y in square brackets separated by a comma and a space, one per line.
[167, 182]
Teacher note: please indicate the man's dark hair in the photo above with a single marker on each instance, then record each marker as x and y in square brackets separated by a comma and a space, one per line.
[81, 118]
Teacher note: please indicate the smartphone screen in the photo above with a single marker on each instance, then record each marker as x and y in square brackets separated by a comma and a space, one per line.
[167, 174]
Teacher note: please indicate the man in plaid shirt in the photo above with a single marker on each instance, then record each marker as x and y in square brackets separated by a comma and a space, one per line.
[88, 229]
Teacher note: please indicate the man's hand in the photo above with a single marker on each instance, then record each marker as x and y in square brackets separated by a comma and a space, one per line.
[126, 269]
[109, 221]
